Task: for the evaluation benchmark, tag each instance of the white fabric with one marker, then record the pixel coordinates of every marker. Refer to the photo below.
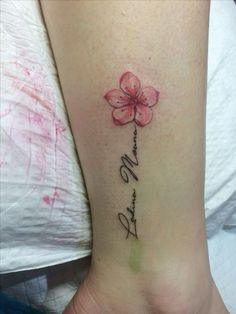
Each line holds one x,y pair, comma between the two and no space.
44,210
220,182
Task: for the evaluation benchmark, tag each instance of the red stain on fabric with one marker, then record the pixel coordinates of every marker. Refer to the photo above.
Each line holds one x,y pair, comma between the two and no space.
32,127
50,199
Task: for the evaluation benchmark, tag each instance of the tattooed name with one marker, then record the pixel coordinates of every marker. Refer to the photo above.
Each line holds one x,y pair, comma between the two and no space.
128,163
129,223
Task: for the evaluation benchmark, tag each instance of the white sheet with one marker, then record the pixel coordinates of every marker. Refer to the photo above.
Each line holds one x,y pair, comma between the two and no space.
220,181
44,210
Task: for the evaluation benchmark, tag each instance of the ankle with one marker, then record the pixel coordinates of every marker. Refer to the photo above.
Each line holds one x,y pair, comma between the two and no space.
183,293
177,297
83,302
193,295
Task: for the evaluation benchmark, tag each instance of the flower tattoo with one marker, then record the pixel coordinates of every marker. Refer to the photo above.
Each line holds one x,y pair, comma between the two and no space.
132,102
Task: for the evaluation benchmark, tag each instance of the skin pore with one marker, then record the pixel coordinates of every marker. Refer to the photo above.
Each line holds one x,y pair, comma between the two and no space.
126,66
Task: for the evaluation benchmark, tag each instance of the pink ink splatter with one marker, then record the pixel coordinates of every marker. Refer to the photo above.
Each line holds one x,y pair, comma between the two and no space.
49,200
32,126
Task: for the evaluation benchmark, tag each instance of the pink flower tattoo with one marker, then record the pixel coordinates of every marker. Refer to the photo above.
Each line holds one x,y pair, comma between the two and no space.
132,102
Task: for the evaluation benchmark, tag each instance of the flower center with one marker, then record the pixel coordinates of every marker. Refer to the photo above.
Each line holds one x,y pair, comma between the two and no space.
134,101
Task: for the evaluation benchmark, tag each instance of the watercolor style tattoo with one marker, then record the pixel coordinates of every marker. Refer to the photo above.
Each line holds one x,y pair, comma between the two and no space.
131,103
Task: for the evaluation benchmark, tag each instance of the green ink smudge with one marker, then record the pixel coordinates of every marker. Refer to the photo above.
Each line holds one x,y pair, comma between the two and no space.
135,255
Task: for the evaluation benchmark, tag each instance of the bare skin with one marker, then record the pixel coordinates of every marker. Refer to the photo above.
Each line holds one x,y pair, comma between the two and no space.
165,270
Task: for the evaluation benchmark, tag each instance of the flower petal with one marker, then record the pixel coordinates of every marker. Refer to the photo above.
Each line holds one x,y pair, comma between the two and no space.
143,115
123,115
116,98
149,96
130,84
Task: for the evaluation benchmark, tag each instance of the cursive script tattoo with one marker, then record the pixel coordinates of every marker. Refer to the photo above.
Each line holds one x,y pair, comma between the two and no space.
127,172
128,163
130,223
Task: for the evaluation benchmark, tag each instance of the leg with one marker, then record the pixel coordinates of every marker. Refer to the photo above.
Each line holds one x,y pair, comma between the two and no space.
145,188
